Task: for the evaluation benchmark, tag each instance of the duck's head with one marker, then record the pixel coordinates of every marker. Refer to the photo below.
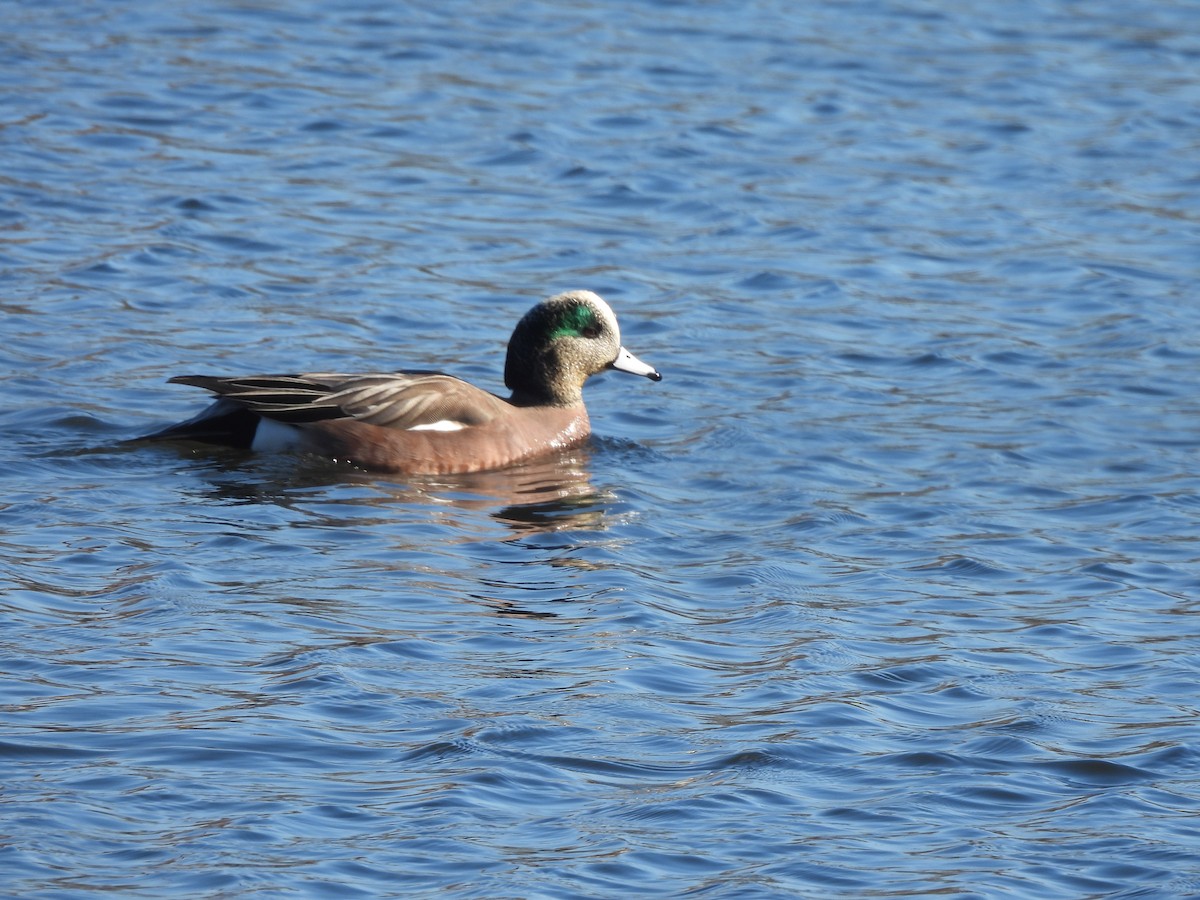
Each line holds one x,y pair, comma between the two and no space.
560,343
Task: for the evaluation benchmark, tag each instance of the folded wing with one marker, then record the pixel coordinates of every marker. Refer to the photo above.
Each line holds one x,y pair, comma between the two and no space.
405,400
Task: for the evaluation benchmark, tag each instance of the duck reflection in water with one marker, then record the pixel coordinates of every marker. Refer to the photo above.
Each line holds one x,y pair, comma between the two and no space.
550,494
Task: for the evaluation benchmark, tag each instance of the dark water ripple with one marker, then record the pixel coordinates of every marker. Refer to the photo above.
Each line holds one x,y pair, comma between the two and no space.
887,590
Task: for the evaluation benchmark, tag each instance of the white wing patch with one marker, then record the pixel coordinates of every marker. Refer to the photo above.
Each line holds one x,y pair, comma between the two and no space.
442,425
272,436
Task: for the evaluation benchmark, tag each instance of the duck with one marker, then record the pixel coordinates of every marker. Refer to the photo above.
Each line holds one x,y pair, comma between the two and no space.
422,422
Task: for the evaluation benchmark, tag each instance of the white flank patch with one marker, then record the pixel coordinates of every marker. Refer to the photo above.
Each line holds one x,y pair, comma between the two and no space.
440,425
274,436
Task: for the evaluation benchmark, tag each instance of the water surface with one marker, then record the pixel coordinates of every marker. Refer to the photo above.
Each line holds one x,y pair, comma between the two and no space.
888,589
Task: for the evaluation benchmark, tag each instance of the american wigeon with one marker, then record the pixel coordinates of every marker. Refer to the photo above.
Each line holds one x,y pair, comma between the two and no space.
423,422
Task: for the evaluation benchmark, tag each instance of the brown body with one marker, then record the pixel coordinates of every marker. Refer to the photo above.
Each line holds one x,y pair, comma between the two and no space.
527,433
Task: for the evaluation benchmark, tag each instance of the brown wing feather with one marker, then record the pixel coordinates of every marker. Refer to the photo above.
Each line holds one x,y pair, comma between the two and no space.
407,401
399,400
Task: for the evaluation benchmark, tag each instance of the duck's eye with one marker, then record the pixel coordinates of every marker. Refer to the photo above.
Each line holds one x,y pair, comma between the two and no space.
591,331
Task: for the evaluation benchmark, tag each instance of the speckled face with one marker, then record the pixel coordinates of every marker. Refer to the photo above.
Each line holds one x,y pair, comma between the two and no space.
559,343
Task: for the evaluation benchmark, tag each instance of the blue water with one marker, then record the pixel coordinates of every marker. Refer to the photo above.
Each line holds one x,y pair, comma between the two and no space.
889,589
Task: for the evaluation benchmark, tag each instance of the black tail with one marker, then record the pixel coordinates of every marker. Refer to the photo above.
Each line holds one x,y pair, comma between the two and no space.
225,423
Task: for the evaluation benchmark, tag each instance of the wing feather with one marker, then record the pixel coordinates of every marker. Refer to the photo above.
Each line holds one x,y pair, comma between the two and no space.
397,400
